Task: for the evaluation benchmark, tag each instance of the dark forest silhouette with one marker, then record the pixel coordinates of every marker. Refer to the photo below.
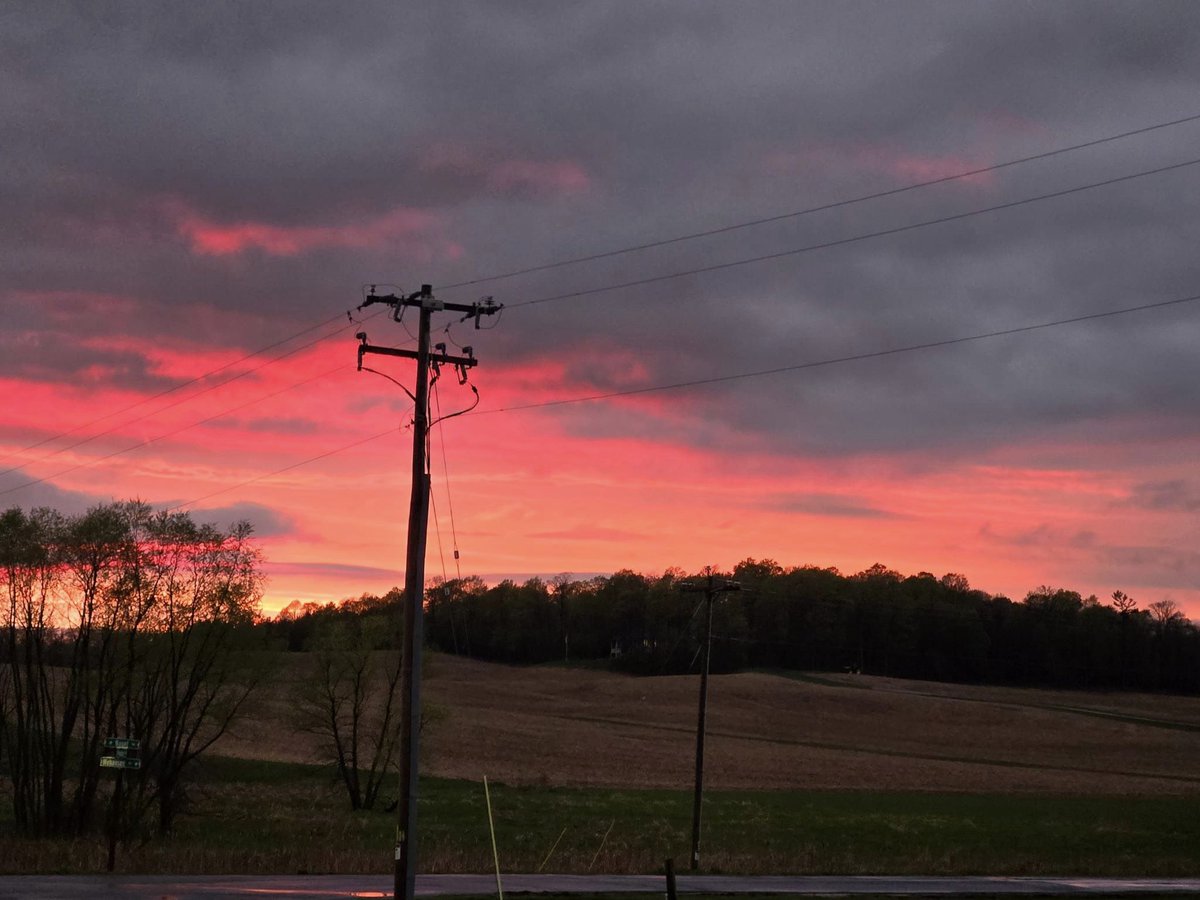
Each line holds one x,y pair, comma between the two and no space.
876,622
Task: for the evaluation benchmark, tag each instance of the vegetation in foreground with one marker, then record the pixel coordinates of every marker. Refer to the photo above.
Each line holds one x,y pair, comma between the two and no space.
284,818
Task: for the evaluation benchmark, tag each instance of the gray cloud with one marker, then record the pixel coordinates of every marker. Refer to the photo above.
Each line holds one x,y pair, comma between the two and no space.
830,505
270,425
1175,495
267,522
1044,538
46,494
516,134
1163,567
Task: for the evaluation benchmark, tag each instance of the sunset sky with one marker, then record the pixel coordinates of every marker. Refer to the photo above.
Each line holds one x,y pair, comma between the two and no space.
184,185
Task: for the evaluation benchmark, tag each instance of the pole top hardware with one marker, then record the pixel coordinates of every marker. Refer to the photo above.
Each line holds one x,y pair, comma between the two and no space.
425,299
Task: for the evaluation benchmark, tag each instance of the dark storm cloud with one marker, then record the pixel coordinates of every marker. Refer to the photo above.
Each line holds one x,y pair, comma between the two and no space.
492,137
62,357
267,522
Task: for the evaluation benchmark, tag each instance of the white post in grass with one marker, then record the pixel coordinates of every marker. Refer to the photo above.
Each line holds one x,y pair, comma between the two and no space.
492,828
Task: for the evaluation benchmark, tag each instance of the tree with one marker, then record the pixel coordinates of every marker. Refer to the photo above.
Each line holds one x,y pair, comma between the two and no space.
200,588
1123,603
1165,613
117,622
350,698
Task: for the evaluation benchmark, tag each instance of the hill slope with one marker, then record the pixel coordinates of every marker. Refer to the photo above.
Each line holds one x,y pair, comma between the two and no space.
562,726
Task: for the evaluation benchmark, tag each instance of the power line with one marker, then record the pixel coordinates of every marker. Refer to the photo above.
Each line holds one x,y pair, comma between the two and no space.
657,278
733,377
167,434
824,245
875,354
296,465
181,400
177,387
446,480
724,229
620,251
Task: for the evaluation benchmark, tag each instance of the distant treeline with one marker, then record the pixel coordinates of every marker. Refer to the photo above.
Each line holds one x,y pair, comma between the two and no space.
876,621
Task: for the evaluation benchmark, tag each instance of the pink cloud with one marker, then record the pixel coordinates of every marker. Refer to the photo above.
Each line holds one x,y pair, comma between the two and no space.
413,230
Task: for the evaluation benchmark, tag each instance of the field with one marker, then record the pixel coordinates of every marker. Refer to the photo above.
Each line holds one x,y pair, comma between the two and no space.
580,727
809,774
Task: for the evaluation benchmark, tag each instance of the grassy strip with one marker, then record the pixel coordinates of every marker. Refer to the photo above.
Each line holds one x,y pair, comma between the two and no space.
265,817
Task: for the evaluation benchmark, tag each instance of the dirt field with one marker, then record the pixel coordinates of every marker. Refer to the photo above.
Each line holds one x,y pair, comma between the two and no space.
558,726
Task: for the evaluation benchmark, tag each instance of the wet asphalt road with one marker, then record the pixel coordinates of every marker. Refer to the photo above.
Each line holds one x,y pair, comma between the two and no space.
316,887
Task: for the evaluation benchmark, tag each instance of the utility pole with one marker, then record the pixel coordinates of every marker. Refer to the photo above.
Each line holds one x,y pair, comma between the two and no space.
404,883
711,589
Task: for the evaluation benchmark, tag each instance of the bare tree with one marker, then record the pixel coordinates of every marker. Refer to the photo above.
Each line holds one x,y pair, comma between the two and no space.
1166,612
350,698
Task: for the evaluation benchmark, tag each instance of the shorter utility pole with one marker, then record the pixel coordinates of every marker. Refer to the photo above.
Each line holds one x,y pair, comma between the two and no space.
405,871
711,588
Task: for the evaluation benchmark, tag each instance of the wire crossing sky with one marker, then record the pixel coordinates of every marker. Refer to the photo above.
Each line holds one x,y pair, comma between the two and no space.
195,198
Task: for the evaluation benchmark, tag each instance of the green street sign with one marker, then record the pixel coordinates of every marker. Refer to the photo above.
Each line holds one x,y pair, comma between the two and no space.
120,762
116,743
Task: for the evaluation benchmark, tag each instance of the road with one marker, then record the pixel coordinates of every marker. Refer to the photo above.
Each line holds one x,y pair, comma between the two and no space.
316,887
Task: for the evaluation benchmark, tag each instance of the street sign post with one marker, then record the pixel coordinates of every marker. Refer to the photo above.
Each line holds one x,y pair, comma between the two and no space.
118,762
124,753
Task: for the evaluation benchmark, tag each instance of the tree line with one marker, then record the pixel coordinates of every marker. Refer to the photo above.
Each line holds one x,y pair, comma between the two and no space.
805,618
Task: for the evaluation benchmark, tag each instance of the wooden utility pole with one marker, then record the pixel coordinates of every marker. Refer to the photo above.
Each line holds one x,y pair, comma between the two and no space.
405,871
711,589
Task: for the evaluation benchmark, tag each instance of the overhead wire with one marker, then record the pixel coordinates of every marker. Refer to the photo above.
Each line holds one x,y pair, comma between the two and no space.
652,279
824,245
874,354
877,195
437,530
394,381
166,434
178,387
446,481
280,471
967,173
675,385
186,399
912,348
663,277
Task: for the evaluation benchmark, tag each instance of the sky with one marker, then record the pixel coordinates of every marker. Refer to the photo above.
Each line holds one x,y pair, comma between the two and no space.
196,195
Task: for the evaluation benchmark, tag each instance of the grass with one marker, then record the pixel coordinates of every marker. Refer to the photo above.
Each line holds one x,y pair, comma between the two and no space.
804,777
254,816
